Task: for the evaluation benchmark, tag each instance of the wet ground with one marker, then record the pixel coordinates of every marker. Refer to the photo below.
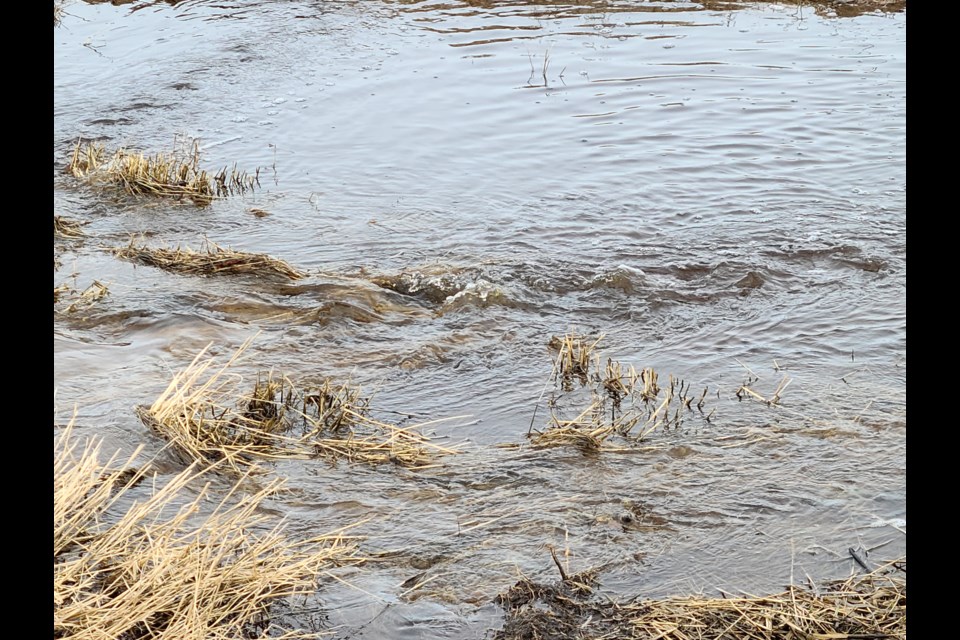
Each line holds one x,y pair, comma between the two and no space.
719,190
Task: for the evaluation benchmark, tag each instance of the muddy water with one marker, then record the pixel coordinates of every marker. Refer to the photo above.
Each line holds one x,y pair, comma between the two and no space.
721,193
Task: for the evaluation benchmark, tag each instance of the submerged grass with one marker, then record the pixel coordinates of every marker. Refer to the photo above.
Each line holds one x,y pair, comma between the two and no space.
155,568
620,401
66,228
207,418
176,174
210,260
575,354
872,605
68,300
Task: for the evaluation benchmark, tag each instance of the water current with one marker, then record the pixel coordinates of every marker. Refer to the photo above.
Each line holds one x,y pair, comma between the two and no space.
720,191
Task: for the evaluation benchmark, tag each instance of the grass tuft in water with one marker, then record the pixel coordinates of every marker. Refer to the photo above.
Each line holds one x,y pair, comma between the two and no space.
209,419
210,260
176,174
872,605
612,401
67,228
67,299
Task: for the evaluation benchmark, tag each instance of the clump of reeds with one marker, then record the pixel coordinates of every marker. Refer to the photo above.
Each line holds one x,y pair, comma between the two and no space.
746,391
66,228
333,406
620,401
79,300
210,260
152,565
207,418
574,356
170,175
586,431
86,159
863,606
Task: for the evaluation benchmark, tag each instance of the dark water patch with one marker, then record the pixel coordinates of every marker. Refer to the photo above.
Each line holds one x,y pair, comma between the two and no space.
109,122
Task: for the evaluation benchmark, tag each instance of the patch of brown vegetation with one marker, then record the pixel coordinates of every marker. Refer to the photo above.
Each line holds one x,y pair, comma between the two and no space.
208,419
176,174
838,8
168,565
68,300
66,228
210,260
872,605
619,401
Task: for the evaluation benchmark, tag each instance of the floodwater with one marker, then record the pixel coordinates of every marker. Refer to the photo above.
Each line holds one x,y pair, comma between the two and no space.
720,192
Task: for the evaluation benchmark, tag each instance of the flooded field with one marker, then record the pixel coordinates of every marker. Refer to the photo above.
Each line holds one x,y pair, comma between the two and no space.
718,191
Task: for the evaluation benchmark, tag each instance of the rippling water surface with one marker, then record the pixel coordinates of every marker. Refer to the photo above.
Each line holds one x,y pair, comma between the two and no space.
721,193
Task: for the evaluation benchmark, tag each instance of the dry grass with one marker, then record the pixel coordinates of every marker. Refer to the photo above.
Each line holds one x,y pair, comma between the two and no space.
168,175
66,228
210,260
586,431
68,300
574,356
863,606
619,400
870,606
208,419
156,568
60,290
745,391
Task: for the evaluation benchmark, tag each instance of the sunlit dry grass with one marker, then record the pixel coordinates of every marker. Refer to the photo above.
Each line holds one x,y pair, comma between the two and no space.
163,561
619,400
210,260
175,174
207,417
868,606
66,228
862,606
575,354
68,300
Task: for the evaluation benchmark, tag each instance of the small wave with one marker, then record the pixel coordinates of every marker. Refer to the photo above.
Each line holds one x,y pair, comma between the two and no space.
480,293
622,277
431,284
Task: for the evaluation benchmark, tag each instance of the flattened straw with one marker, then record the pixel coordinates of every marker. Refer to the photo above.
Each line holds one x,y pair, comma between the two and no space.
194,414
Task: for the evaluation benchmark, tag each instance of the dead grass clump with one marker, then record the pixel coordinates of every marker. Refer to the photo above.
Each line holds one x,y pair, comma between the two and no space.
619,400
155,567
208,419
210,260
574,355
745,391
66,228
167,175
68,300
586,431
335,406
86,160
863,606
